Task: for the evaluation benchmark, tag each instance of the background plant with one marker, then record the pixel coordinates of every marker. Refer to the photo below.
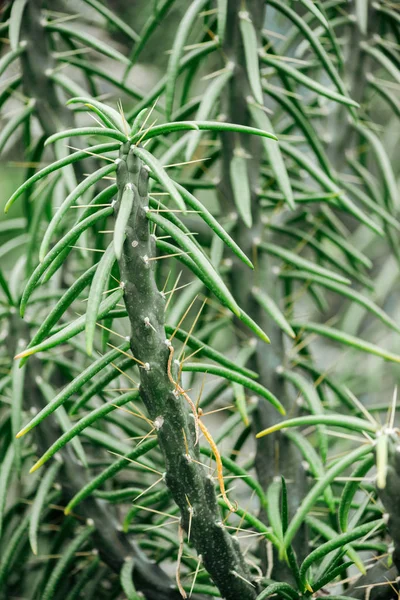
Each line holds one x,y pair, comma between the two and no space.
203,238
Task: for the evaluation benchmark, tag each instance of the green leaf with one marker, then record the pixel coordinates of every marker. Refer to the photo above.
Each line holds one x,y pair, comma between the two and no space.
110,117
9,57
195,344
352,423
17,394
312,84
302,263
273,154
330,186
38,504
88,40
272,309
183,31
207,104
99,285
383,162
210,275
240,185
343,291
238,378
314,462
283,589
63,244
318,489
76,384
212,222
92,417
124,212
382,59
59,164
68,555
110,472
126,579
6,473
338,542
9,129
202,126
350,489
17,11
113,19
73,328
70,200
222,15
346,339
160,174
314,405
87,131
4,286
249,38
11,548
274,508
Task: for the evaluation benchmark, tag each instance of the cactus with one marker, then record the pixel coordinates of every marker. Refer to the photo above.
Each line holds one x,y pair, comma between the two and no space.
193,265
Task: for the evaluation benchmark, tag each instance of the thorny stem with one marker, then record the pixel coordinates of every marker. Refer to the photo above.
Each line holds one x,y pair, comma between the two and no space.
191,487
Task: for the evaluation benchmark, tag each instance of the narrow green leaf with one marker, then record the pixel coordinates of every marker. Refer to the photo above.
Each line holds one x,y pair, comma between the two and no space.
318,489
73,328
92,417
314,462
17,10
282,589
240,185
87,131
4,286
312,84
160,174
274,508
110,472
70,200
383,162
249,38
124,212
17,394
273,154
74,386
302,263
352,423
13,123
382,59
304,162
88,40
126,579
238,378
344,291
110,117
350,489
212,222
346,339
11,548
202,126
113,19
68,555
6,473
207,104
214,280
339,541
185,27
99,285
9,57
64,243
59,164
272,309
38,503
222,15
195,344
